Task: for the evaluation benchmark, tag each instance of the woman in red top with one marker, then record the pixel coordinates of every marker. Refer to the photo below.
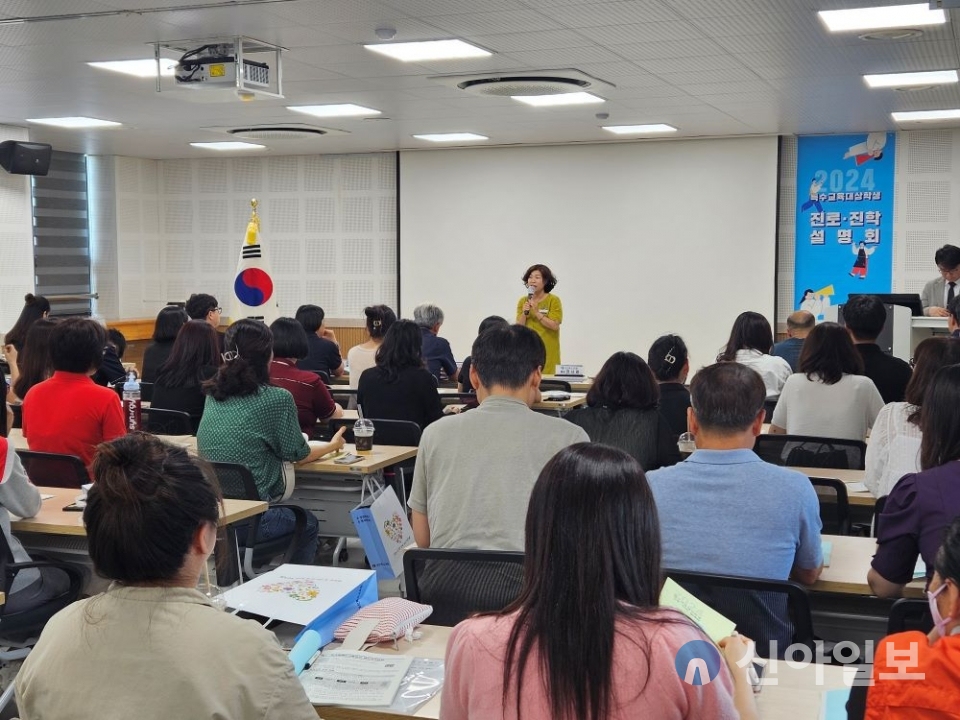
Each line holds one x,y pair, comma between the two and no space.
312,397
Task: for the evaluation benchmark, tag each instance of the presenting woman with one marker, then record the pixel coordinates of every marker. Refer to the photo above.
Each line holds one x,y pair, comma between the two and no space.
542,312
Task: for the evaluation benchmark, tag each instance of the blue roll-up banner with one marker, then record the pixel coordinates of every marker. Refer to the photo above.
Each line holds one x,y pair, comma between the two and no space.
844,218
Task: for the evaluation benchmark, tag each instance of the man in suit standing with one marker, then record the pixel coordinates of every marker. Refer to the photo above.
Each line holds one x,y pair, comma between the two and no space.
940,292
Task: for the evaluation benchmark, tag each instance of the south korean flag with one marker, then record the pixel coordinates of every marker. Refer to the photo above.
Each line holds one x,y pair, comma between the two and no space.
254,294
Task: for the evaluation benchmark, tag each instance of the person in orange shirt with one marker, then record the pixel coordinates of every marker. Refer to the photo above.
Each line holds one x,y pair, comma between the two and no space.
917,676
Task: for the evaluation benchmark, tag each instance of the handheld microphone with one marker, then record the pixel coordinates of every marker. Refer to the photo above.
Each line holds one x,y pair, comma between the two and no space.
529,298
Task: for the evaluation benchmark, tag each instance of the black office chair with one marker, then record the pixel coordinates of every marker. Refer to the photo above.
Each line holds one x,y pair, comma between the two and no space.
877,511
768,407
236,482
23,618
166,422
763,610
458,583
17,410
834,505
807,451
390,432
53,469
548,385
909,614
343,395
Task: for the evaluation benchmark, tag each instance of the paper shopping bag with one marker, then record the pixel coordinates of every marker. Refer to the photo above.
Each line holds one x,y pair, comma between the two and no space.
384,531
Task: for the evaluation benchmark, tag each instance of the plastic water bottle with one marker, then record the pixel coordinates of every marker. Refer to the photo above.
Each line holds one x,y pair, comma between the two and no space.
131,402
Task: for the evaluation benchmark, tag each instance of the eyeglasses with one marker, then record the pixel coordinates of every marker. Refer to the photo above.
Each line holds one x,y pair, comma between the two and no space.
216,309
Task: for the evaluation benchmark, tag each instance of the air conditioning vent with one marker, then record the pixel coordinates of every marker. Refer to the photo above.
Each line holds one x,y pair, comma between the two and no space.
526,83
278,132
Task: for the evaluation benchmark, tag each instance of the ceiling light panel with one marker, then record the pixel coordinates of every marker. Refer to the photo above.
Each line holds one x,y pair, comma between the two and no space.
926,115
73,123
574,98
328,111
876,18
227,145
934,77
429,50
144,68
640,129
451,137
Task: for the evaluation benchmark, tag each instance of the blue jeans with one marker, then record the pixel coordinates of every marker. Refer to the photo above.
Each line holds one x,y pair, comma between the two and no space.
278,521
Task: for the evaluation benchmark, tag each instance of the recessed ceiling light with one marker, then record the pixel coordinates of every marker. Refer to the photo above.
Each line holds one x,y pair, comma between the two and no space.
145,68
934,77
874,18
227,145
429,50
451,137
639,129
325,111
73,122
926,115
574,98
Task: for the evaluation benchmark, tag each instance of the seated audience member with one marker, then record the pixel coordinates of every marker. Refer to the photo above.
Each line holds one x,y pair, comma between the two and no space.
750,343
69,413
193,360
864,317
670,363
828,397
111,369
622,411
799,325
921,505
201,306
364,356
34,308
894,447
519,662
32,365
323,350
463,376
436,350
953,320
475,471
309,391
399,387
931,659
695,497
169,321
152,646
248,421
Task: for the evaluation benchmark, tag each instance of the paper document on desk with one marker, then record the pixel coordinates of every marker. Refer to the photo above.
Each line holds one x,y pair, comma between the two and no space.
358,679
715,625
826,547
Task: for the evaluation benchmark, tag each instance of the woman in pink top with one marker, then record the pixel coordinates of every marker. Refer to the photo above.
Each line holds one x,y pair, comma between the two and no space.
586,640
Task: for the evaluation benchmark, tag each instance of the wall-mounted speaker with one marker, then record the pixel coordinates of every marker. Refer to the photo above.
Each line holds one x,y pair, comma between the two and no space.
25,158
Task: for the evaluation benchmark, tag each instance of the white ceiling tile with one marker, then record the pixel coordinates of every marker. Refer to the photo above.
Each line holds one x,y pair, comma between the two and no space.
519,42
711,76
613,13
652,32
330,12
691,64
725,8
453,7
569,57
408,29
495,22
667,50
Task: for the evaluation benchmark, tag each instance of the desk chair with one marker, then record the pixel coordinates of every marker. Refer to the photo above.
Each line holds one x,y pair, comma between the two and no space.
768,407
166,422
755,606
389,432
458,583
236,482
909,614
834,505
343,396
17,410
458,398
548,385
54,469
21,618
808,451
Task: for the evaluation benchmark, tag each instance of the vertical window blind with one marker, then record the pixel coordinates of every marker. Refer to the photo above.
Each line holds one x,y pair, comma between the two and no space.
61,234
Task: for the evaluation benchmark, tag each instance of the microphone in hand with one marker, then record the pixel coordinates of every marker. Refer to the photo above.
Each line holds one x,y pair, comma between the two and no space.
526,310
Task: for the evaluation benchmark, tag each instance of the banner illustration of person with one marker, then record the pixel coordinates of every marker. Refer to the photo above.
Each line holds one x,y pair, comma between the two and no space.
848,209
254,295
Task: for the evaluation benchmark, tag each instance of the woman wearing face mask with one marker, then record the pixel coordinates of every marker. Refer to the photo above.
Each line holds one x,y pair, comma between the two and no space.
932,660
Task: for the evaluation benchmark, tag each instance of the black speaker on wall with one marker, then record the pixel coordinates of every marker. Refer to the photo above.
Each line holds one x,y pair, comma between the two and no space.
25,158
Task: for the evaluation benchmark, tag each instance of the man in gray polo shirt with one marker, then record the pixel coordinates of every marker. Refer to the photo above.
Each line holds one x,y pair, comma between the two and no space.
475,471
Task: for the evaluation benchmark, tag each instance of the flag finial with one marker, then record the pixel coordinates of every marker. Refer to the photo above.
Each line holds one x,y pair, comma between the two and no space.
253,227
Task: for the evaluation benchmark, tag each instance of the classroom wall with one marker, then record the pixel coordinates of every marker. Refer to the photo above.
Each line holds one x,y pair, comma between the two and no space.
646,238
330,221
926,210
16,238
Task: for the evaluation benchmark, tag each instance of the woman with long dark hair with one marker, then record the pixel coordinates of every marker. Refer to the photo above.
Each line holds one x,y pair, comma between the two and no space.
828,397
193,360
364,356
400,387
153,639
34,308
586,639
894,447
670,362
622,411
921,505
750,343
248,421
169,321
33,363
